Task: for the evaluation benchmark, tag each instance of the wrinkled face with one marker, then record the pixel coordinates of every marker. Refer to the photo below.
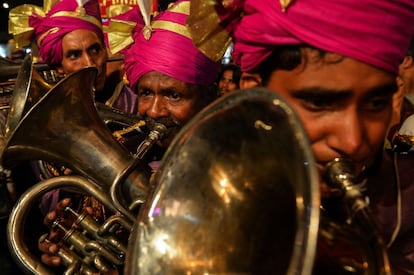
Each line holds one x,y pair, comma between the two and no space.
83,48
166,99
226,83
345,107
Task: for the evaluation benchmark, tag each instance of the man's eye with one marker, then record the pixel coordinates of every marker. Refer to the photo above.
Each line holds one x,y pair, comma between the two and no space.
73,56
379,104
95,50
317,104
144,92
174,96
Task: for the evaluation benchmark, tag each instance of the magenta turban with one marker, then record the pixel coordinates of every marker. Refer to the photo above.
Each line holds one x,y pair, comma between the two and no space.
376,32
65,16
169,50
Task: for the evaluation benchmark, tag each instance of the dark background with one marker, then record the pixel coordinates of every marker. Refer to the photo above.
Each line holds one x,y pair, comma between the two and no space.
4,15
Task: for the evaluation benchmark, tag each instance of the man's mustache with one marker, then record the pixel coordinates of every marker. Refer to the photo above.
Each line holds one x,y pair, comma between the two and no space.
166,121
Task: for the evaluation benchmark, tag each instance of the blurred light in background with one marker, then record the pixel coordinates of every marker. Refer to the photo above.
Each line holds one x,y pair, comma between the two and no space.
3,50
227,55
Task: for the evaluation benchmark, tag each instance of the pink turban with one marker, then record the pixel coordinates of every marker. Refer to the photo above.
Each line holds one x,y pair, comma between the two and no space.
169,50
64,17
376,32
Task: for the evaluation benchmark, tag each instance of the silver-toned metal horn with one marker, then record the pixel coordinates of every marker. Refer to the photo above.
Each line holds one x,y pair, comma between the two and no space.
64,127
340,175
237,193
73,134
28,89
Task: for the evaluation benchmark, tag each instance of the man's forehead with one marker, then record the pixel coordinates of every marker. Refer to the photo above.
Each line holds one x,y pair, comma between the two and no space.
160,80
80,36
348,76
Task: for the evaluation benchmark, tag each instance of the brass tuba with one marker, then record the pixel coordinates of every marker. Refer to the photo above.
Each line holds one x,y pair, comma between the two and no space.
237,193
64,127
67,115
24,90
29,87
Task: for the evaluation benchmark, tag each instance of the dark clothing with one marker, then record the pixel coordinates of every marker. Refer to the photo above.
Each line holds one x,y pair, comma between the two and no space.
7,263
124,99
383,191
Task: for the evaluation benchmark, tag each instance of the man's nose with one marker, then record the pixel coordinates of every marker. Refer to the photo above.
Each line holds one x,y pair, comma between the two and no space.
157,108
88,61
348,135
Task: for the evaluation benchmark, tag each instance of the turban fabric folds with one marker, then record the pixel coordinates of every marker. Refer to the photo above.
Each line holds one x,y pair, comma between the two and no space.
169,49
118,29
376,32
372,31
64,17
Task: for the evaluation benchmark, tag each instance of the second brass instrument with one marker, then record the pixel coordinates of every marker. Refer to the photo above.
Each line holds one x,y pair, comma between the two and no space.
64,127
236,193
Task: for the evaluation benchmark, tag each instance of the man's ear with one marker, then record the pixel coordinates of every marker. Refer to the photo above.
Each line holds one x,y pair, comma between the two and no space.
407,62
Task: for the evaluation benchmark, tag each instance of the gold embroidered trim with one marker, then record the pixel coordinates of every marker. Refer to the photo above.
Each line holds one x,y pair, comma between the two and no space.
285,4
119,34
85,17
183,7
52,30
205,29
115,10
173,27
19,23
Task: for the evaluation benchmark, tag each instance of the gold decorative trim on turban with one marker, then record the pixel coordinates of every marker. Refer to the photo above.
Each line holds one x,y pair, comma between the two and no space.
119,34
146,8
19,23
172,27
118,31
285,4
51,31
78,15
202,17
115,10
48,4
182,7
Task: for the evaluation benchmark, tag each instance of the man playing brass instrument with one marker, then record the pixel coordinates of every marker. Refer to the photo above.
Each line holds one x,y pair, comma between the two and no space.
335,62
173,81
69,38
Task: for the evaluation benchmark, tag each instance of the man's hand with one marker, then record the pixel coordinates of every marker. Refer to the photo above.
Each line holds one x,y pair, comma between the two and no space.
48,244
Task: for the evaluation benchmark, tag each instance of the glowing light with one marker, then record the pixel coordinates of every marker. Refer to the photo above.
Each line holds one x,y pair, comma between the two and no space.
260,124
223,186
6,5
161,244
